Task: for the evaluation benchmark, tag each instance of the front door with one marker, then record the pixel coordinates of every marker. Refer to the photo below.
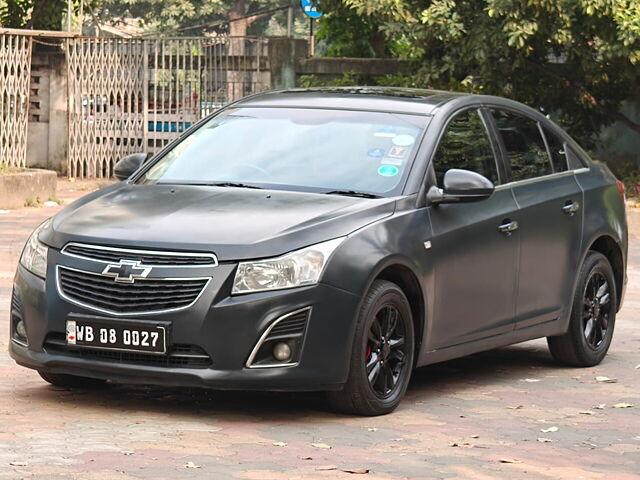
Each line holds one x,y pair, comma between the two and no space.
474,253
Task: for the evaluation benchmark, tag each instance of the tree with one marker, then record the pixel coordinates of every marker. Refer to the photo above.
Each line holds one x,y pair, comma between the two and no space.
347,34
187,17
196,17
578,60
39,14
36,14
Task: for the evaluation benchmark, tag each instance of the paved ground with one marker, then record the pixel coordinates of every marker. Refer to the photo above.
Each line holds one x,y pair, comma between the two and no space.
510,413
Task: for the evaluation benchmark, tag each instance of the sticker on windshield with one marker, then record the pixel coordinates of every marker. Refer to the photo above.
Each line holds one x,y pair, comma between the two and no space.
376,152
388,171
403,140
398,152
385,132
392,161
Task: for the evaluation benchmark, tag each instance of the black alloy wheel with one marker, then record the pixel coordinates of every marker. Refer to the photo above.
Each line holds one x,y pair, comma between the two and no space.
592,318
385,355
382,354
597,302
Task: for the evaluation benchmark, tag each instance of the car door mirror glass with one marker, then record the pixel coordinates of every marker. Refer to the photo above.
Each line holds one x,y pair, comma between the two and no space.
461,186
128,165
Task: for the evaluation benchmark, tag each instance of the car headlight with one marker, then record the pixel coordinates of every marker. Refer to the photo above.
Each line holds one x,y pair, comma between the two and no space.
34,254
295,269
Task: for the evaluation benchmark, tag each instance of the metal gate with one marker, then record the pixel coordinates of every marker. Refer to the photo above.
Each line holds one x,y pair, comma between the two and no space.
107,98
15,71
132,95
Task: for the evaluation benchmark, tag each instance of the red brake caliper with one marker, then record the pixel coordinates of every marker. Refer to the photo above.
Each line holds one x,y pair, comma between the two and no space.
368,352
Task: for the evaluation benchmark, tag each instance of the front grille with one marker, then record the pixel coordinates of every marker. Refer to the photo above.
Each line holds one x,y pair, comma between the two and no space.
179,355
146,257
290,326
145,295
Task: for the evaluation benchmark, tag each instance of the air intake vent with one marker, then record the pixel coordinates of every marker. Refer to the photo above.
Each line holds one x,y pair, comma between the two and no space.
146,257
287,331
143,296
16,304
290,326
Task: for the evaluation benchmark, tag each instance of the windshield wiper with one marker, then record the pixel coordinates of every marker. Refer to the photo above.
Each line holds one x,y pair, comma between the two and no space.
232,184
352,193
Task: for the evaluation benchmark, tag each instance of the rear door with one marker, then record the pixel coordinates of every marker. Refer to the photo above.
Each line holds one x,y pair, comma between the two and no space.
475,262
550,203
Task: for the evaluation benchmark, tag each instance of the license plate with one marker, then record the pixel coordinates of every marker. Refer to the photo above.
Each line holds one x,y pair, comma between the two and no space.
131,337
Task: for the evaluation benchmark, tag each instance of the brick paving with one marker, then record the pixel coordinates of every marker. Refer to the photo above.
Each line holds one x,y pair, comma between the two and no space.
480,417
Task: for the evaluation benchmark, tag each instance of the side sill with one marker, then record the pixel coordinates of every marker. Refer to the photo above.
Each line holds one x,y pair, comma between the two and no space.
546,329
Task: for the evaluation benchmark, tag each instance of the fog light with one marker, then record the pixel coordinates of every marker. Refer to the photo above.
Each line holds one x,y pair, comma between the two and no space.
281,351
21,329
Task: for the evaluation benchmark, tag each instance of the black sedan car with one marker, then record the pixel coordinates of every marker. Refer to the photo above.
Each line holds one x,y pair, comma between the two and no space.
328,240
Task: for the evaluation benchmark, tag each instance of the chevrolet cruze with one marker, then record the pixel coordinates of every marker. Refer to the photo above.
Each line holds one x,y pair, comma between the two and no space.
328,240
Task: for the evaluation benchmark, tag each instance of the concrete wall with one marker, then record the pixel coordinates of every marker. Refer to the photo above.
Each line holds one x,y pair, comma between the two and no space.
48,129
285,55
321,66
33,186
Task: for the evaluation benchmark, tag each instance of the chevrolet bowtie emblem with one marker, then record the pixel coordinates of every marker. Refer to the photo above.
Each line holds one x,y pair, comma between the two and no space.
127,271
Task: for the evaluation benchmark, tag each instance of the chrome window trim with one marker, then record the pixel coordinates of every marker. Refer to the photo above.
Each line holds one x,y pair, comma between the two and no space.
126,314
551,176
264,336
159,253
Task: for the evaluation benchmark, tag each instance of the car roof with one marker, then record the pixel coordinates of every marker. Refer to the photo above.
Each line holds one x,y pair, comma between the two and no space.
383,99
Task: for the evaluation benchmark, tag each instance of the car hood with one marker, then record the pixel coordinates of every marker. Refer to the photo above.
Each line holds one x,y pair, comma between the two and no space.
234,223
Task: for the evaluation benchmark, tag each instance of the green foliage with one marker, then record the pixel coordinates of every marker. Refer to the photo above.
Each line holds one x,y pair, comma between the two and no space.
578,60
347,34
37,14
177,17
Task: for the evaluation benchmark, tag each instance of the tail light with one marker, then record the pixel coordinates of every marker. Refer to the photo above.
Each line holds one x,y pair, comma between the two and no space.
621,190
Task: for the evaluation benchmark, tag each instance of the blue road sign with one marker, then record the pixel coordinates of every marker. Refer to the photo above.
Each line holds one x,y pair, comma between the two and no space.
310,8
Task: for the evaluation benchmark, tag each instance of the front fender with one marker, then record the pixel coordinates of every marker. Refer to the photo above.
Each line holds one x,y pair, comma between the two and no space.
394,241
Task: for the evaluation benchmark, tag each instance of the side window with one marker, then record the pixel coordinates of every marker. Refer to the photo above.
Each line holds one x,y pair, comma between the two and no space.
465,144
524,144
557,151
574,161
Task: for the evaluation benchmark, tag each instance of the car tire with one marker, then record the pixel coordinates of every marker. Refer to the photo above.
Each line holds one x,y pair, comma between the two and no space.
71,381
381,363
593,316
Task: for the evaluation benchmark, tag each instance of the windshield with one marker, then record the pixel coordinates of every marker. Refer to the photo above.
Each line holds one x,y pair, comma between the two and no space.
295,149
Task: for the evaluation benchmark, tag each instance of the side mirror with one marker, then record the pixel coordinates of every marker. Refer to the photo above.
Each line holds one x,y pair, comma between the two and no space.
461,186
126,167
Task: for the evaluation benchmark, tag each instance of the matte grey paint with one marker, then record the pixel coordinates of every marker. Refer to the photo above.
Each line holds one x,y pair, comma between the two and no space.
479,286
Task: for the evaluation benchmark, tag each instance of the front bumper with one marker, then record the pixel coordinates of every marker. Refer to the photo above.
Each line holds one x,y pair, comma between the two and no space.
226,327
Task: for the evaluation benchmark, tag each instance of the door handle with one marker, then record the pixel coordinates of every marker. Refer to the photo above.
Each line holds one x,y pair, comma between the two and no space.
571,207
508,227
